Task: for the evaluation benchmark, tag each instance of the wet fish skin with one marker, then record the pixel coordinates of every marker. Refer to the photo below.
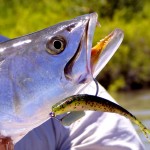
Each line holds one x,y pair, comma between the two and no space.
32,80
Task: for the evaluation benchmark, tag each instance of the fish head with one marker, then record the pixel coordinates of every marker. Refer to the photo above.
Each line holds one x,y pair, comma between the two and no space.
42,68
63,53
51,62
39,69
71,62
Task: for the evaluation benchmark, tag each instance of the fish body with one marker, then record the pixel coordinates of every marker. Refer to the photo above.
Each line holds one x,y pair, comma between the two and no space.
40,69
34,75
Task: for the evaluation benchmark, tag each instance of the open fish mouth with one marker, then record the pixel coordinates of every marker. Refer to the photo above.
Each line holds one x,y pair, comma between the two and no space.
87,61
104,50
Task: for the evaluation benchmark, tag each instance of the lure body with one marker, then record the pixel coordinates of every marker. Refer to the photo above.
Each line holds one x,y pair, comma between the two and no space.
89,102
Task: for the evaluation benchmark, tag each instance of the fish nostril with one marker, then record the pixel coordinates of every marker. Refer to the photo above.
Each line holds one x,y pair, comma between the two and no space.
70,28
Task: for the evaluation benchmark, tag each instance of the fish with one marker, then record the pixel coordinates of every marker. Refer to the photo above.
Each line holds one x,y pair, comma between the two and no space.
42,68
82,102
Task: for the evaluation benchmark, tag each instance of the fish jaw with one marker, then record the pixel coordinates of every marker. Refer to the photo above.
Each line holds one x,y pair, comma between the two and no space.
78,68
103,51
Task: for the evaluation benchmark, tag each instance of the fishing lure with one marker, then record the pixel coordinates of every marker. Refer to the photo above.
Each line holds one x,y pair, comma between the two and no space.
89,102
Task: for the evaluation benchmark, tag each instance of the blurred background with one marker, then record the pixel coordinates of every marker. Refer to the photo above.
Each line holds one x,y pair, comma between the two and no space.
127,75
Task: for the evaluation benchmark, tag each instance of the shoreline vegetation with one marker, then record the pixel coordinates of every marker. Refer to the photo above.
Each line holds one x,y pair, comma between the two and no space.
129,67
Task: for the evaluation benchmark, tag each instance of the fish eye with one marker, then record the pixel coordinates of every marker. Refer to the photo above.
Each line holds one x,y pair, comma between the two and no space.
56,45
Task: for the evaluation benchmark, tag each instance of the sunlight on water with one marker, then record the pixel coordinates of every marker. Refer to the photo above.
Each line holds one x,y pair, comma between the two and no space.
138,103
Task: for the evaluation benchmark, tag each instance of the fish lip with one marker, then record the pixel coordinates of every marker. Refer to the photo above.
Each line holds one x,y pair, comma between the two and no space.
93,22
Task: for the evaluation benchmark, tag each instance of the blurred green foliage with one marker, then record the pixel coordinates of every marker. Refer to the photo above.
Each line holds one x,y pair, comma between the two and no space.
129,67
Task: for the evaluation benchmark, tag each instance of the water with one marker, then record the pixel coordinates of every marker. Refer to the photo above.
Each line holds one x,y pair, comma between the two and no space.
138,103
